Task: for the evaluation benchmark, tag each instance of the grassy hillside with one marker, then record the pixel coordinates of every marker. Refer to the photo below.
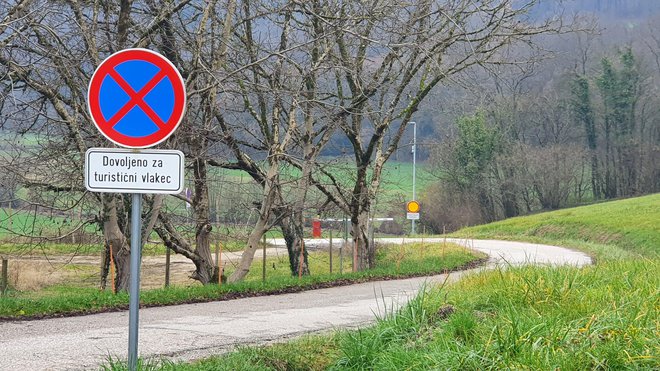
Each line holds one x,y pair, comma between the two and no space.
614,230
541,318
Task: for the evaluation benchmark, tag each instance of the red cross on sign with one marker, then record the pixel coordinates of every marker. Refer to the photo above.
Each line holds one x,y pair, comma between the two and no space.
136,98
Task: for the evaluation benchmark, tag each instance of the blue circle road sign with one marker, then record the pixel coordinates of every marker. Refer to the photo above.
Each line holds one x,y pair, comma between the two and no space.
136,98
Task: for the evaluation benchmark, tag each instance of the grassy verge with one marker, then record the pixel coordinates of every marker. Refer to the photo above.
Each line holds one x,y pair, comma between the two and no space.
605,316
393,261
600,317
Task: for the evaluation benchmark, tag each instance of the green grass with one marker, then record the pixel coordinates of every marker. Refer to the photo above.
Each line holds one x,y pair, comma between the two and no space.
27,223
49,249
397,176
605,316
600,317
306,353
609,230
392,261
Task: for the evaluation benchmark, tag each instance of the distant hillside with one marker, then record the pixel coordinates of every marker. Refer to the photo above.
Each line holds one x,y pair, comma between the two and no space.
606,9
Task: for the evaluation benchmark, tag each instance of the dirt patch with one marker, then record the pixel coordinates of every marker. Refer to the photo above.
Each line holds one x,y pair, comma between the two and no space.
33,273
30,276
36,273
549,230
599,236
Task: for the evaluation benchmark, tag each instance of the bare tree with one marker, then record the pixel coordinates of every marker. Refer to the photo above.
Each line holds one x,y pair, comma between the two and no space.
48,55
552,172
273,108
391,56
42,85
199,51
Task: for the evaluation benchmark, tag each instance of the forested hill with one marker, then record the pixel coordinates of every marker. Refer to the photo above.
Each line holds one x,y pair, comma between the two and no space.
604,9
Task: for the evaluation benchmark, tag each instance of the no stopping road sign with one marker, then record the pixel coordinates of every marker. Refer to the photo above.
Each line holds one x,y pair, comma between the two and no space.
136,98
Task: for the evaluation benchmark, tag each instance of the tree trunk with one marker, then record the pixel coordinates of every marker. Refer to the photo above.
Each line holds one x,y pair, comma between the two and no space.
204,267
118,243
122,259
294,238
508,190
204,262
247,257
261,226
359,208
293,226
366,253
105,268
595,176
610,164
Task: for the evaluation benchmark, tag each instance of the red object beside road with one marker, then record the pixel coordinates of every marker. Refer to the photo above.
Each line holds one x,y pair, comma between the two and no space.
316,228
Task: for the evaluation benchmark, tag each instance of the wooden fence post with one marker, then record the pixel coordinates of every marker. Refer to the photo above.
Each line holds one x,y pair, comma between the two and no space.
355,255
263,262
167,266
342,246
301,259
4,280
330,251
219,260
112,271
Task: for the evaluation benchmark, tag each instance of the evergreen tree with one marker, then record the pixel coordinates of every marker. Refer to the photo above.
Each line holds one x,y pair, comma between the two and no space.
583,111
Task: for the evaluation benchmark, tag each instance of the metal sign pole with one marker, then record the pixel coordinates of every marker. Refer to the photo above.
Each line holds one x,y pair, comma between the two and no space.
132,170
134,289
414,153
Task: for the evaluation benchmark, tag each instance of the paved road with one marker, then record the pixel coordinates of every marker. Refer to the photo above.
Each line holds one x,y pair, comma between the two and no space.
186,332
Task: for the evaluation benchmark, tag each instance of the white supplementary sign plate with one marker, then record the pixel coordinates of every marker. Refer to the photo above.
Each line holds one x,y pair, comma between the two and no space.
117,170
413,216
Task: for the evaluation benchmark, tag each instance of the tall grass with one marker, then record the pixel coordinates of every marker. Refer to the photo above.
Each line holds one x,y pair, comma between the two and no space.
599,317
118,364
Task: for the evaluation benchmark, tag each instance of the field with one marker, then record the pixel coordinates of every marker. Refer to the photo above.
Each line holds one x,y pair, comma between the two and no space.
15,223
605,316
397,177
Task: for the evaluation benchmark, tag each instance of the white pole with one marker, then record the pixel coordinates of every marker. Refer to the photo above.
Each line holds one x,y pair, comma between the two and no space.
414,153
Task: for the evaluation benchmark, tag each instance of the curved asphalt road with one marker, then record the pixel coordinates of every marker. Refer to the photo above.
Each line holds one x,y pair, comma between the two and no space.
186,332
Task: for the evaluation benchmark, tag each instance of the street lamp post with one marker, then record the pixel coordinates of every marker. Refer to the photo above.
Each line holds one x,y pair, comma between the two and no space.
414,154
